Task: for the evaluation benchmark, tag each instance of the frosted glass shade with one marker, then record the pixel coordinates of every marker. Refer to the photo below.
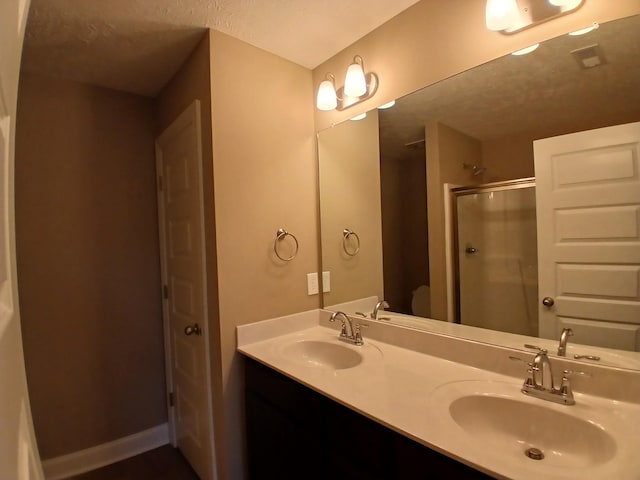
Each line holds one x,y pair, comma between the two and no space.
326,99
355,84
568,4
501,14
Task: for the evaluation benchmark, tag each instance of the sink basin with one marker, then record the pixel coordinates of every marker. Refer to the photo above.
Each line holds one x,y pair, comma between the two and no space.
318,353
513,427
492,423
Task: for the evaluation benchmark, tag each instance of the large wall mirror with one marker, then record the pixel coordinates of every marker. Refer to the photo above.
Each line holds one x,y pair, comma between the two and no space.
432,205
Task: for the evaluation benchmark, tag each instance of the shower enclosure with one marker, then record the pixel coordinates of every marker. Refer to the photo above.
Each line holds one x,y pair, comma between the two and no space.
496,256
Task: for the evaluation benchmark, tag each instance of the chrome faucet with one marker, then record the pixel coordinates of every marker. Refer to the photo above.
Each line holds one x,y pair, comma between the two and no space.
379,306
350,332
539,382
564,337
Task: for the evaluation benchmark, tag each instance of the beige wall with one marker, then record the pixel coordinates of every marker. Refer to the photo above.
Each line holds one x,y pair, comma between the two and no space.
88,270
350,198
447,150
431,41
511,157
193,82
264,178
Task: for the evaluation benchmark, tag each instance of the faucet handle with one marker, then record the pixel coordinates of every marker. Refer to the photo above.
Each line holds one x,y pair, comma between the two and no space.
357,337
535,347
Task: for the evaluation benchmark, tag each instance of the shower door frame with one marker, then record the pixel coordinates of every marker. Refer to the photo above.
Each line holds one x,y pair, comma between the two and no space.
454,193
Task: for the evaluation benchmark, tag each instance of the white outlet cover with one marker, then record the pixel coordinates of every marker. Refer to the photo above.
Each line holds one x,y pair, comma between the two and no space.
312,283
326,282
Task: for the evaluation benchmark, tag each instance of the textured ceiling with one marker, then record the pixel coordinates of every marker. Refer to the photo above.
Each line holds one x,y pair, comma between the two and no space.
137,45
545,92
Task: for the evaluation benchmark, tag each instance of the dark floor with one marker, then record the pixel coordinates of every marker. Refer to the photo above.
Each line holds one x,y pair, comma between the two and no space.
164,463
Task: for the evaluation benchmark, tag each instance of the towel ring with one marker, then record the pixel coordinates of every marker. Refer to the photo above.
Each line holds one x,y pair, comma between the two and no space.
281,234
346,233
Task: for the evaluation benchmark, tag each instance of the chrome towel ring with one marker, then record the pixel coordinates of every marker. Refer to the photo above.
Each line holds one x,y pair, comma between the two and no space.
281,234
346,234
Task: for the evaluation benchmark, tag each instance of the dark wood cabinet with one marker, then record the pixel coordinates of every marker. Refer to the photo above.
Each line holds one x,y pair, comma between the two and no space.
296,433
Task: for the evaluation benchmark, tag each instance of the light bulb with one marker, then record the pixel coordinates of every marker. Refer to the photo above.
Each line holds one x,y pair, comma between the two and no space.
327,98
355,85
501,14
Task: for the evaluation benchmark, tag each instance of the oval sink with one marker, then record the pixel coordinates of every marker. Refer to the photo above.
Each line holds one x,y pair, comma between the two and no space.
317,353
511,425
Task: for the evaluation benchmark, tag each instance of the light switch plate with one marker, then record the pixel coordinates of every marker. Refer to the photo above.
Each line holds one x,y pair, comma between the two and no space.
312,283
326,282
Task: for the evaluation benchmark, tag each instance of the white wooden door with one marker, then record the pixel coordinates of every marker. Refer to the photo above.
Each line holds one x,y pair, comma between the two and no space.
588,200
179,166
19,457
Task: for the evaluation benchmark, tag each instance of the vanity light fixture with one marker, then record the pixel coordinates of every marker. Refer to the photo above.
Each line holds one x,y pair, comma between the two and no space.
526,50
358,86
384,106
588,29
359,117
567,4
511,16
327,98
501,14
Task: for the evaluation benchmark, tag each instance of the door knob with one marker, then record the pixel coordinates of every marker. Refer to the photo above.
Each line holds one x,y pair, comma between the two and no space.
192,329
470,249
548,301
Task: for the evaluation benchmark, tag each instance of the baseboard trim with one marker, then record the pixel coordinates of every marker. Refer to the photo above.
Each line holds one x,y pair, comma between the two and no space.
95,457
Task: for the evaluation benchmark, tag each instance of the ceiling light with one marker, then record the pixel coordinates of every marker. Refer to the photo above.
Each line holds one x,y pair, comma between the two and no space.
359,117
327,98
588,29
501,14
355,85
358,87
526,50
387,105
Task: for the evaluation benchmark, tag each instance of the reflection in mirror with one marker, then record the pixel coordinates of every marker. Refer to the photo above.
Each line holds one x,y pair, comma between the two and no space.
390,178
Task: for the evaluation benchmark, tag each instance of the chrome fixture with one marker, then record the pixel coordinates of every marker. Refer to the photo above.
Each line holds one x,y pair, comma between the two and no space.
350,332
595,358
510,16
475,169
347,235
358,87
539,382
281,234
564,337
379,306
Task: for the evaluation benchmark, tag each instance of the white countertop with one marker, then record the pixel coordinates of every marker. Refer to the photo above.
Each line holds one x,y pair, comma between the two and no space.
403,389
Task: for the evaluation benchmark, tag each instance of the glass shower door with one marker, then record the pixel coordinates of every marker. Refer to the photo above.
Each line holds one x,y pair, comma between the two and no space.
497,278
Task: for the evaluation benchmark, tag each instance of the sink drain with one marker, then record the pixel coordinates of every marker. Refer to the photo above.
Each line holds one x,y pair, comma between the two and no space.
534,453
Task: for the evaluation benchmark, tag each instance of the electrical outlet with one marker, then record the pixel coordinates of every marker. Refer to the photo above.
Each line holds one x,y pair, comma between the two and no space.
312,283
326,282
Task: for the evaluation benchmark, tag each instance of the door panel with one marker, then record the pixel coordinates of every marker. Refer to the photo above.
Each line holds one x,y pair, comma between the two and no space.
183,265
588,201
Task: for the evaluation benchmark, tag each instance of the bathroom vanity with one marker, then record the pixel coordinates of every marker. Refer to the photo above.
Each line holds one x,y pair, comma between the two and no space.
416,404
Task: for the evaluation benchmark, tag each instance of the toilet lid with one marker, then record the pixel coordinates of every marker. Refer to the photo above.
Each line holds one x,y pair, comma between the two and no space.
421,301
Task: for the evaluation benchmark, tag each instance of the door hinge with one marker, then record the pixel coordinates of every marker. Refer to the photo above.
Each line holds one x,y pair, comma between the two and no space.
165,291
171,399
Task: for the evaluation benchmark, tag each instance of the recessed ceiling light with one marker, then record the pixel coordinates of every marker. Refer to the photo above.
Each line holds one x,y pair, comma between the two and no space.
582,31
526,50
